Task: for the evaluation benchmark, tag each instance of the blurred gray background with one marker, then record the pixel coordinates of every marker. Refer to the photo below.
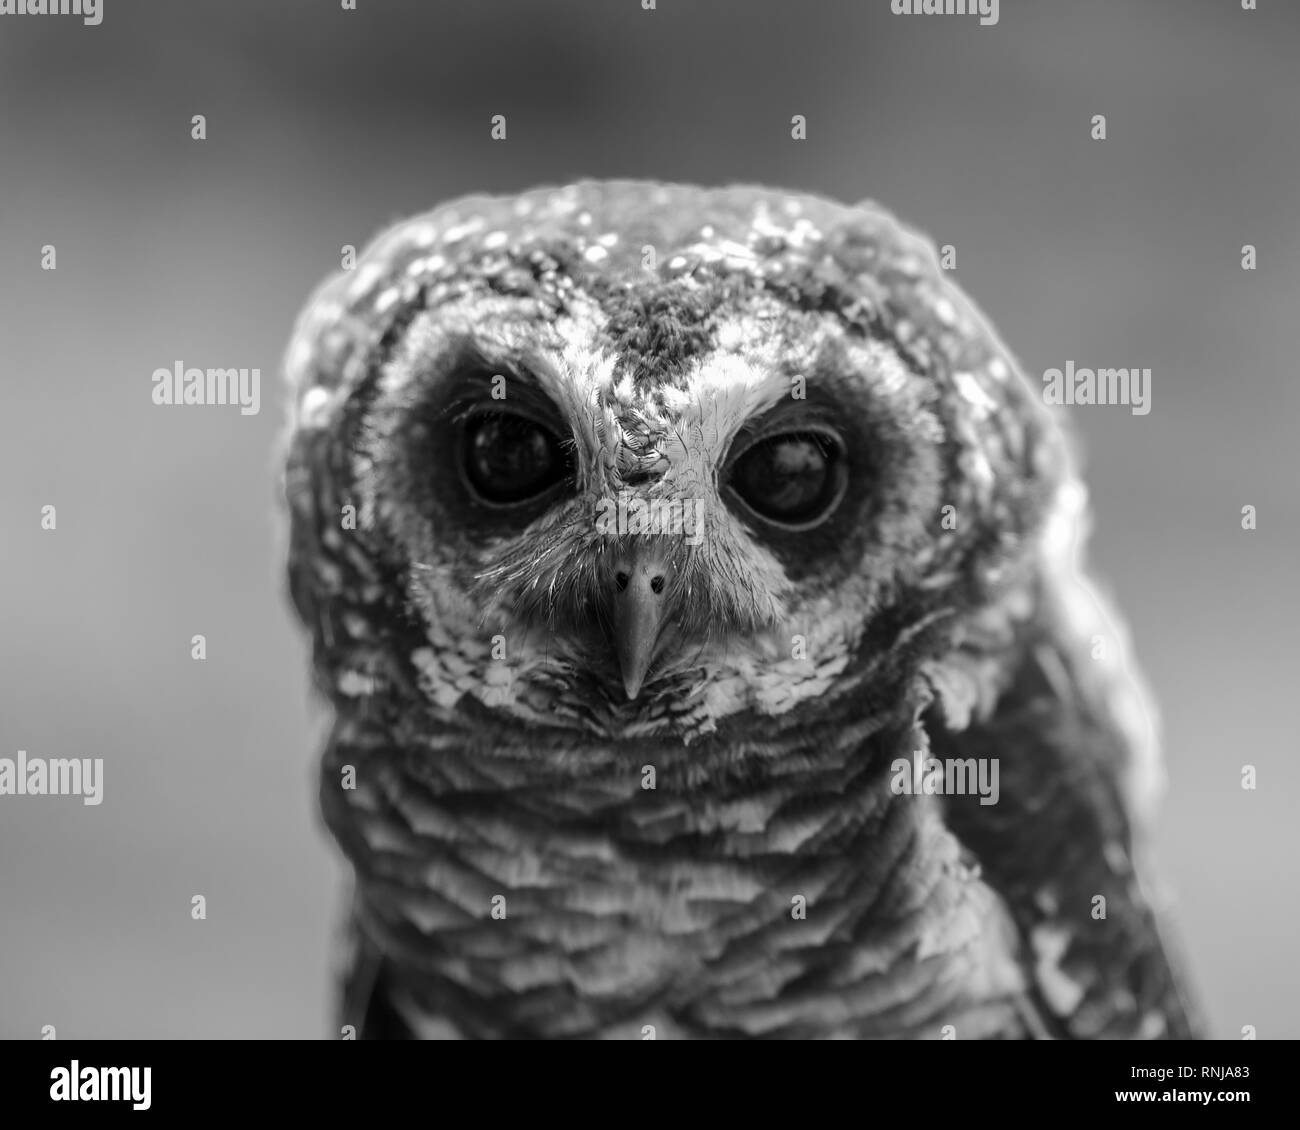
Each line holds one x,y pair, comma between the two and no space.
324,125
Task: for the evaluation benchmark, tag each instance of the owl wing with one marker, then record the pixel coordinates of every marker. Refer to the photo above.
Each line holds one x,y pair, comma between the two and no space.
1053,698
366,1000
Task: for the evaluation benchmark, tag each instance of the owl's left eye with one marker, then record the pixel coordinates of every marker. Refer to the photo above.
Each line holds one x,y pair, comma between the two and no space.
793,480
510,459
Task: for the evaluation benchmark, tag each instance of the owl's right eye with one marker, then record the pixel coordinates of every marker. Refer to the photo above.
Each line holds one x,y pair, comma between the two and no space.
510,459
792,479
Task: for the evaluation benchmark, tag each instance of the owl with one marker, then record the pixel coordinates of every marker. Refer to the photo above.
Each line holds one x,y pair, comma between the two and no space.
694,579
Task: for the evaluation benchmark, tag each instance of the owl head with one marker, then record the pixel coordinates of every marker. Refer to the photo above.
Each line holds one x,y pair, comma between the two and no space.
626,458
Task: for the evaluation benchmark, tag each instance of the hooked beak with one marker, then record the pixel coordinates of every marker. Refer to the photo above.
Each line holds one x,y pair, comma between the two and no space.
640,599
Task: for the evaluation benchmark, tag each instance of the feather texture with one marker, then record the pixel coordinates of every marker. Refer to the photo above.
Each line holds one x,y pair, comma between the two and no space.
730,854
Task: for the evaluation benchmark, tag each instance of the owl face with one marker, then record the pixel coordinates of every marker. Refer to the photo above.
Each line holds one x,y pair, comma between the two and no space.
628,460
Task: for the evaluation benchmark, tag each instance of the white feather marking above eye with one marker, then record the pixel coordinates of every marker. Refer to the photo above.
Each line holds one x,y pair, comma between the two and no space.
726,390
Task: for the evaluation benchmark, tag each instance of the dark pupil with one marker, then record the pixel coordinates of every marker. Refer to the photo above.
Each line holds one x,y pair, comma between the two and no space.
785,478
510,458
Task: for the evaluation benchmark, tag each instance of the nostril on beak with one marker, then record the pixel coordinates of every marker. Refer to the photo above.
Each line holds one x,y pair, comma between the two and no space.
640,607
638,615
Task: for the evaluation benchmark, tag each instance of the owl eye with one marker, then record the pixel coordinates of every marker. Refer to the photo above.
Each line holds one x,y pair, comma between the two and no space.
794,479
510,458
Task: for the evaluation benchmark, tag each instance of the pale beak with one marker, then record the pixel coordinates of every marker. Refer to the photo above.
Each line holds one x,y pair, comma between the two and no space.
641,583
